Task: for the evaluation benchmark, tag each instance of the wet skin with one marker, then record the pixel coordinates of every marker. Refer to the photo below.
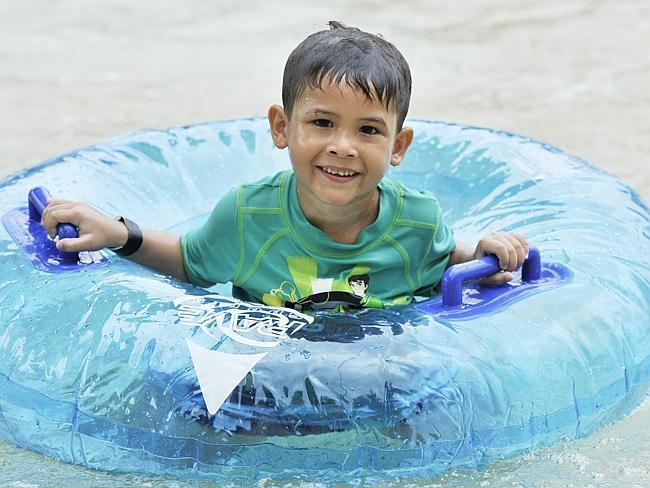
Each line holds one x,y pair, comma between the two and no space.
341,144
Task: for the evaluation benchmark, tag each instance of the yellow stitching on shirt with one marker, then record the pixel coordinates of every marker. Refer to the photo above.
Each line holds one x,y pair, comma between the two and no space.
258,258
240,227
261,210
416,224
405,259
319,252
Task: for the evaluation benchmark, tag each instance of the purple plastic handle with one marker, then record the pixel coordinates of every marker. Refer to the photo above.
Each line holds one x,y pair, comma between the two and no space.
37,200
455,276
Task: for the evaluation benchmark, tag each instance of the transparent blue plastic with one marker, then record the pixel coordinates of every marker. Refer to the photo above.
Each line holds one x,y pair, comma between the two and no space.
95,366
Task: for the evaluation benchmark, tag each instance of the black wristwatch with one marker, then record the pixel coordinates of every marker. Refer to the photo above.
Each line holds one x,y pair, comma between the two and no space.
133,240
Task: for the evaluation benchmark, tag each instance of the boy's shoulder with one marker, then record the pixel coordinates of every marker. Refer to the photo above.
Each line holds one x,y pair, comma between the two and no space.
264,192
267,182
408,194
413,205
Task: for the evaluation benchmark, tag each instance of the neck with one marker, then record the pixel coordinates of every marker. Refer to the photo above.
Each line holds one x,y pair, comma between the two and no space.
342,224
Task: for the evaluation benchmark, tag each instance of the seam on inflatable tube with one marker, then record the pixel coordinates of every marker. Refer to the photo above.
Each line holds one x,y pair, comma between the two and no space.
576,407
74,421
3,381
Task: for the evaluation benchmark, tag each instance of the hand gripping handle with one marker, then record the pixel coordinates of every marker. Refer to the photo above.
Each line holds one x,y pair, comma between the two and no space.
37,200
455,276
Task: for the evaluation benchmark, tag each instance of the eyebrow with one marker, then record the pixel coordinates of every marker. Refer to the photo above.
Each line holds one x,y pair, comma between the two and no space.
377,120
322,111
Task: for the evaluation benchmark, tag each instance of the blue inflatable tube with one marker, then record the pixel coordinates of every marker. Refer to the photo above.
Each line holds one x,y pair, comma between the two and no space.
108,365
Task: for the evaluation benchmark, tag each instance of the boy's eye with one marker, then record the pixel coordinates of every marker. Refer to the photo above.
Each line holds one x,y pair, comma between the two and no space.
368,129
322,123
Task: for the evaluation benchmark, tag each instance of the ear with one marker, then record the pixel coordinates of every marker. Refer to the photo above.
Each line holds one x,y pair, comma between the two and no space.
402,142
279,123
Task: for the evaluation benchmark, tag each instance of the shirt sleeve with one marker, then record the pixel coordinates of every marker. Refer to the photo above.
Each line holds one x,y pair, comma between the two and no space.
211,252
443,244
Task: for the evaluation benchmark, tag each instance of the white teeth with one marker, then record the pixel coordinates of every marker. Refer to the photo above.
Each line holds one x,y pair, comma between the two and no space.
338,172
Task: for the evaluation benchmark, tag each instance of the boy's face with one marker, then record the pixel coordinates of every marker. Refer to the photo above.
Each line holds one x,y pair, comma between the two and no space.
340,144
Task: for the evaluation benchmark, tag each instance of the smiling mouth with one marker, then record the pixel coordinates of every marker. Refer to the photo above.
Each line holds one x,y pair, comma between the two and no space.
339,172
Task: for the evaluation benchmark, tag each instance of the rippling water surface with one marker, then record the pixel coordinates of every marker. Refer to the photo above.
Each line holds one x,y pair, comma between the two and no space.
573,73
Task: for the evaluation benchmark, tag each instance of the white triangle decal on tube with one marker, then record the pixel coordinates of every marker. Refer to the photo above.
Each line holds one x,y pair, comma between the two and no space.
219,372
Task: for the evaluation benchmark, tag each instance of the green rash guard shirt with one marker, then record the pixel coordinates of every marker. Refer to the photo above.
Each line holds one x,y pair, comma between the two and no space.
258,238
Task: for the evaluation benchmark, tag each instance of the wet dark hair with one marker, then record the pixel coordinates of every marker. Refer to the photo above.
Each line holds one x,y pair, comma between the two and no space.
364,61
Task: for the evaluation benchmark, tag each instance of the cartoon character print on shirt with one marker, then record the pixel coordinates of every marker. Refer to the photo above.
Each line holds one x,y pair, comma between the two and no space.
308,292
359,285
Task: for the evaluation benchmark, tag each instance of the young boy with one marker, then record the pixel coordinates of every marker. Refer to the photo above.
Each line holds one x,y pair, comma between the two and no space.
302,238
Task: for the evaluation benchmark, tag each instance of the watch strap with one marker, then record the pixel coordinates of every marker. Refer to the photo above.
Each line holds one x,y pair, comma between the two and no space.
133,240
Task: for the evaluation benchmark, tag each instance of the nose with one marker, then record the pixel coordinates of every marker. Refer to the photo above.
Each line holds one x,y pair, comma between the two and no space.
342,145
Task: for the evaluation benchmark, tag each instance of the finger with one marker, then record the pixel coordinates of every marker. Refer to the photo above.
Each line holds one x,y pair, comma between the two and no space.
503,250
60,215
516,252
78,244
53,207
520,244
65,215
56,205
497,279
50,226
492,245
58,201
523,242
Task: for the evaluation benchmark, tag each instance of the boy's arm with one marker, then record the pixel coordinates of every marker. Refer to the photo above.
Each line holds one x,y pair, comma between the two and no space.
160,250
510,249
